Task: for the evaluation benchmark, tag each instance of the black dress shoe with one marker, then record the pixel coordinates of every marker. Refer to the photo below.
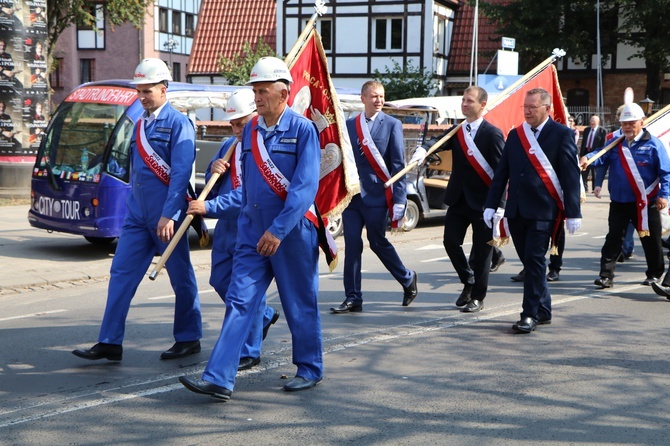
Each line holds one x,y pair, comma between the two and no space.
519,277
300,383
552,276
498,264
348,306
181,349
649,280
604,282
473,306
206,388
525,325
661,290
465,296
274,319
112,352
410,291
543,320
247,363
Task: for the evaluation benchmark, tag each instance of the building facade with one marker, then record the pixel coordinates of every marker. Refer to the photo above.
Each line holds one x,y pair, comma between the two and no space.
84,54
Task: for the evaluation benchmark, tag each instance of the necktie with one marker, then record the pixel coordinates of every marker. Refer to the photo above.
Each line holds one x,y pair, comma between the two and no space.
468,128
534,130
589,143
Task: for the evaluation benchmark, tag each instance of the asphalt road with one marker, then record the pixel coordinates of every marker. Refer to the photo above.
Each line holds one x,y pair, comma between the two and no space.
424,374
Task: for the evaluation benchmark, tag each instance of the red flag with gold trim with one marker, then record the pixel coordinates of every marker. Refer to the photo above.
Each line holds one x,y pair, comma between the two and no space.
313,95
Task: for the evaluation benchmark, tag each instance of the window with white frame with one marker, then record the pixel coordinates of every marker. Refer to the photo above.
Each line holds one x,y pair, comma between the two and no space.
388,34
325,28
92,36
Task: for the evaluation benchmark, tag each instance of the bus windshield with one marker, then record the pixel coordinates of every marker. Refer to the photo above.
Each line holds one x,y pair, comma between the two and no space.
76,144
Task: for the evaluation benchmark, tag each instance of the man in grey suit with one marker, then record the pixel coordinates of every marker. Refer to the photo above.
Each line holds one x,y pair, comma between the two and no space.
540,162
379,151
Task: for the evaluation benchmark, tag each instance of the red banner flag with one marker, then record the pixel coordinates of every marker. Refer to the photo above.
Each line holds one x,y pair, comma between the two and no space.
313,95
507,112
660,128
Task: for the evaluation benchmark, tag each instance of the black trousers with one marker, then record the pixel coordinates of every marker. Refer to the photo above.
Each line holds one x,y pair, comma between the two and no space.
476,271
619,216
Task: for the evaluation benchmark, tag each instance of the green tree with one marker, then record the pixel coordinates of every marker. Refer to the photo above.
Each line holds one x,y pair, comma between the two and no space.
541,25
63,13
237,69
405,82
645,27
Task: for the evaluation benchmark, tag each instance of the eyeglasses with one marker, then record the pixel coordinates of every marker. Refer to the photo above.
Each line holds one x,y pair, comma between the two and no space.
534,107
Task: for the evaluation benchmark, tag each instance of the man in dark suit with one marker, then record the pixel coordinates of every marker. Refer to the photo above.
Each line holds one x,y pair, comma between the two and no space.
594,138
379,151
476,150
540,162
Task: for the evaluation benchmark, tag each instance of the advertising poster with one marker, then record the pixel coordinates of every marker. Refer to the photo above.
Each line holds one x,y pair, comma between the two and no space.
24,89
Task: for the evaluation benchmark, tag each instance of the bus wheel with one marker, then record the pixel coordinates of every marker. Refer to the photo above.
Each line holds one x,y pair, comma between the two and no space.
100,240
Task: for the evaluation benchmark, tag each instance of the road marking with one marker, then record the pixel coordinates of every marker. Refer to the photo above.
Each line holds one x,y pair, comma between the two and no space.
171,296
25,316
278,358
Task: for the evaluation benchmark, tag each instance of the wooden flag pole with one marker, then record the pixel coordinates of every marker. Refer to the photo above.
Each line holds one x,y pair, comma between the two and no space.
556,54
187,221
319,10
650,120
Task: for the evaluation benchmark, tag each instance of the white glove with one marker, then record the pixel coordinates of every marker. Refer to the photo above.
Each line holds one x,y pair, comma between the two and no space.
573,224
419,156
398,211
489,216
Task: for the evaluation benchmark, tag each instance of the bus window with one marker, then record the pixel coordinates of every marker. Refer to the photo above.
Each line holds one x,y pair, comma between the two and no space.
118,163
76,142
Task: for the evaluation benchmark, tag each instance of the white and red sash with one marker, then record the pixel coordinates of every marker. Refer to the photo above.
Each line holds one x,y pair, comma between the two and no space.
152,159
642,194
162,170
376,160
547,174
475,157
280,185
235,166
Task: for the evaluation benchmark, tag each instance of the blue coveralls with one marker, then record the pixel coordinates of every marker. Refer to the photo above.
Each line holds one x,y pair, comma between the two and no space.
172,136
293,145
225,205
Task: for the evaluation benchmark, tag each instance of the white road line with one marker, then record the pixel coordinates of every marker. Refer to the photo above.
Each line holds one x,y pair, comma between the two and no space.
171,296
25,316
281,357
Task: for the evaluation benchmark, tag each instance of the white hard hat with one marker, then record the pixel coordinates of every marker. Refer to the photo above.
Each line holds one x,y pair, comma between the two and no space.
240,104
151,71
631,112
270,69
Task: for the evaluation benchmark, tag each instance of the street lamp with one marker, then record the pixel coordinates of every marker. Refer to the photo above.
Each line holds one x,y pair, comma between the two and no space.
646,105
170,46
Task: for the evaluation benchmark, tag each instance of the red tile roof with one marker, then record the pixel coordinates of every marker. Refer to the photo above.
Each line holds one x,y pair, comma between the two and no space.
461,44
224,26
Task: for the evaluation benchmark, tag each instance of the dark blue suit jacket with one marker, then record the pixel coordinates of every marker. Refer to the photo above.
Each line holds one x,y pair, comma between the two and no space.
387,135
528,197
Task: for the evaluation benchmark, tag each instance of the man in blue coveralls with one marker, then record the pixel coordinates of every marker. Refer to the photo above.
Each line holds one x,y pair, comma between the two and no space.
163,152
280,179
225,205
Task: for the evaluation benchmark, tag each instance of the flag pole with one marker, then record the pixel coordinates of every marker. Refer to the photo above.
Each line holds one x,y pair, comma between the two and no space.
650,120
555,55
187,221
319,10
